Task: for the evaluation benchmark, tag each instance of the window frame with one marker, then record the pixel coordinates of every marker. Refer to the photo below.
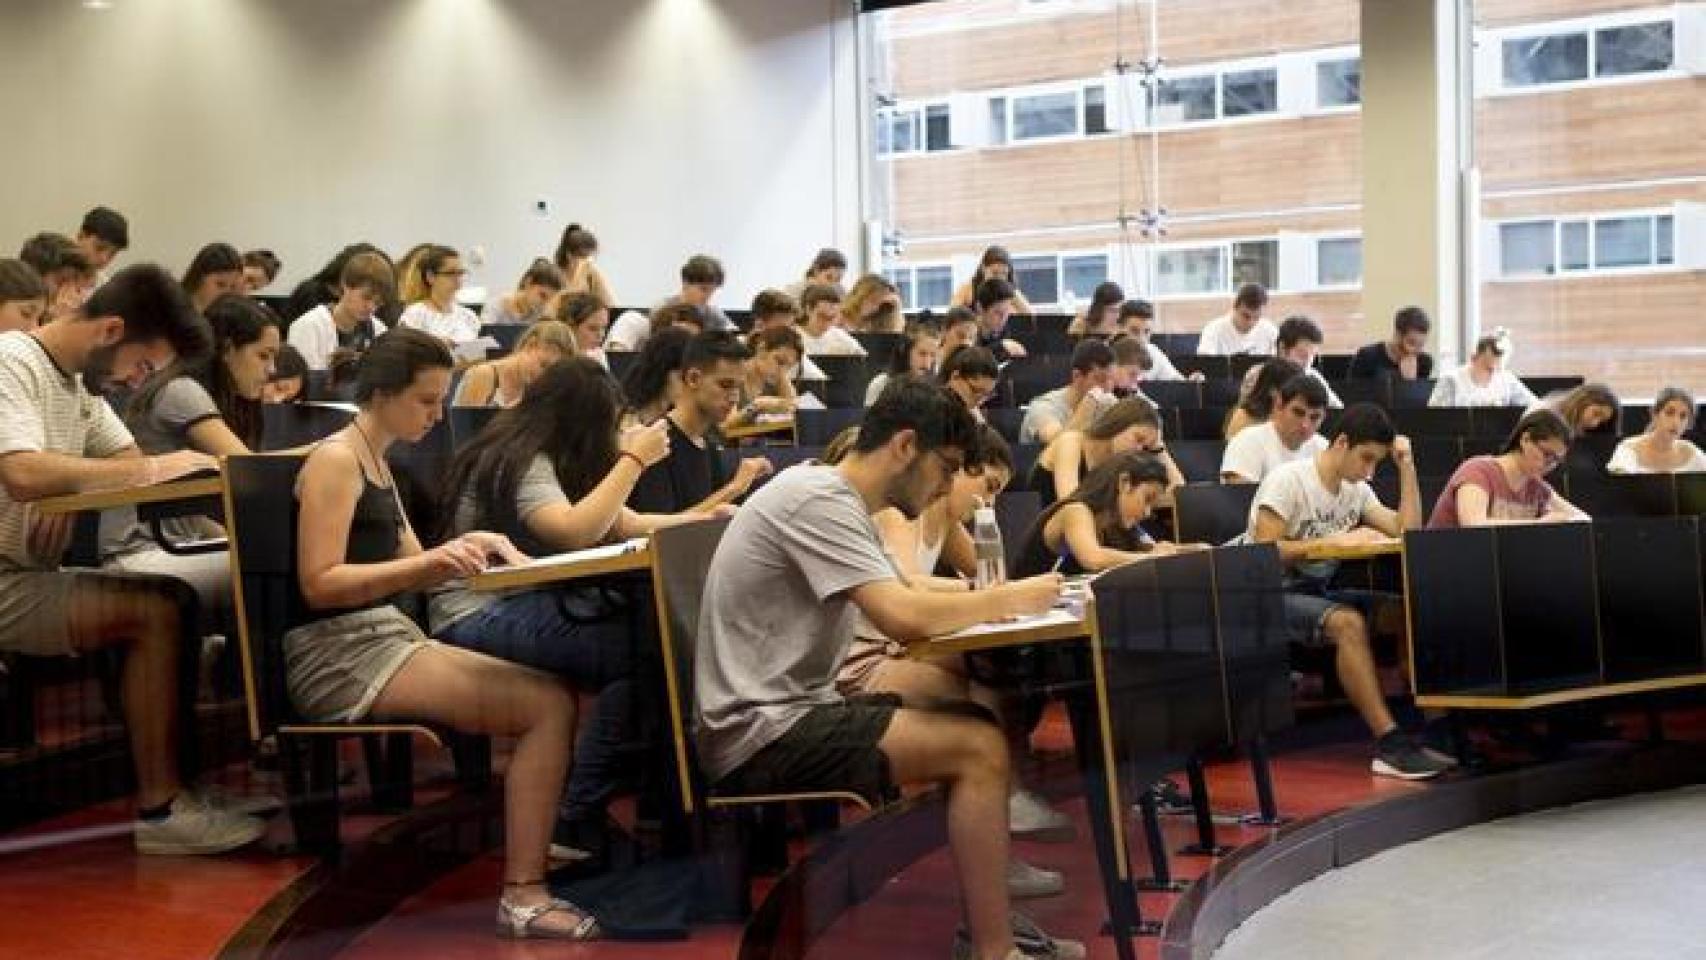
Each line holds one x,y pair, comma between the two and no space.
1315,242
1592,220
910,268
1495,38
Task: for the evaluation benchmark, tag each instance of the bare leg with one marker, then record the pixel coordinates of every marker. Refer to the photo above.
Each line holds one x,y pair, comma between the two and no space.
474,693
970,758
144,614
1348,632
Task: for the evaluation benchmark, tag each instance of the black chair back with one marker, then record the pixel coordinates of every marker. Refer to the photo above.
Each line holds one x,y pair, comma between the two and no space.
815,428
1198,460
1212,512
848,377
1016,511
260,523
681,556
467,422
506,334
1211,366
285,426
1202,423
1168,394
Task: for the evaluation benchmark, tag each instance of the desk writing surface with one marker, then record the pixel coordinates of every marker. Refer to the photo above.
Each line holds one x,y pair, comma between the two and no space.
1390,547
765,424
190,488
628,556
1057,624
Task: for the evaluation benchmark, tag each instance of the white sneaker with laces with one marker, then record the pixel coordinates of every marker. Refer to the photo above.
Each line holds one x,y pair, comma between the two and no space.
195,827
1029,817
1026,881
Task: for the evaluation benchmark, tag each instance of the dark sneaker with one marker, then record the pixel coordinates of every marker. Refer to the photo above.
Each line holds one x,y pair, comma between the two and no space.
1169,799
1029,941
1401,756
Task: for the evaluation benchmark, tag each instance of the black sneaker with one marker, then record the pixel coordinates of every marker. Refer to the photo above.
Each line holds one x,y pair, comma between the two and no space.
1029,941
1400,755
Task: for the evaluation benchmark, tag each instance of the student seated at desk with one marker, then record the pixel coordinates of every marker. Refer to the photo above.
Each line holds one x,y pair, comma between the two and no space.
530,298
1299,341
1137,318
1260,395
1132,424
355,656
58,438
820,324
1483,381
829,266
210,404
1092,375
917,355
959,329
1288,435
1102,317
501,382
64,267
1132,365
996,302
1243,329
972,375
773,308
552,475
1405,356
23,296
650,385
764,383
289,377
776,624
1326,499
691,476
1662,449
440,271
701,278
1511,487
588,317
1589,408
260,269
216,270
577,251
323,288
875,665
1098,525
872,306
995,264
333,337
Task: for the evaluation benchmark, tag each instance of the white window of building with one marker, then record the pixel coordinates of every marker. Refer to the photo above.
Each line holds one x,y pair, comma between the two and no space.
1624,241
1338,262
1633,44
1338,83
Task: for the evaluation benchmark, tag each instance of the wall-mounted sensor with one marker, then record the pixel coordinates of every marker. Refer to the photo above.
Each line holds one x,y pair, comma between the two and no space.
542,207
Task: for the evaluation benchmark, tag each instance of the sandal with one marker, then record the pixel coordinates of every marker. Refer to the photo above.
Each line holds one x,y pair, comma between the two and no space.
516,922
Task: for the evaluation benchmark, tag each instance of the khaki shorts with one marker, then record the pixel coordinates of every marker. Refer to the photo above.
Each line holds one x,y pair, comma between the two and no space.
336,668
35,611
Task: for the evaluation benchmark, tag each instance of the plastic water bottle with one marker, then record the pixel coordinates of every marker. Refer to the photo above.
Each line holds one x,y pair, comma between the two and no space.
991,555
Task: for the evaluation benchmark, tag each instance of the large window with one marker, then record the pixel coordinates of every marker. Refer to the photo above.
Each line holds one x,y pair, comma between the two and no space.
1542,57
1591,194
1544,247
1177,149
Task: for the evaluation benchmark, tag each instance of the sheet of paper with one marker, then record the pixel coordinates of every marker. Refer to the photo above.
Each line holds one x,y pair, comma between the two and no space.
1054,618
580,556
808,401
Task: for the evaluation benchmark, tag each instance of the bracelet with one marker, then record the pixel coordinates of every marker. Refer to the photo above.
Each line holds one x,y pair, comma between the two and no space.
634,456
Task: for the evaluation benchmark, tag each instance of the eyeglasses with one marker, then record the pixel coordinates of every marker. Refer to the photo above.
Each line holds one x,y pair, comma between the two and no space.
1549,456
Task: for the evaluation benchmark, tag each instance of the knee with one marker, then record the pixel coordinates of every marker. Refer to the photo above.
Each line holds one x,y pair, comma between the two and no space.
1346,626
986,750
550,705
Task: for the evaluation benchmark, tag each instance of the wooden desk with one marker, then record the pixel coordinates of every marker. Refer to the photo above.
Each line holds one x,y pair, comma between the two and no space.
1056,625
632,556
169,492
765,425
1501,701
1361,551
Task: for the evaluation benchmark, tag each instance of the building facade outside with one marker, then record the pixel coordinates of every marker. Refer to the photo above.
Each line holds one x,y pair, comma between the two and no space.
1183,147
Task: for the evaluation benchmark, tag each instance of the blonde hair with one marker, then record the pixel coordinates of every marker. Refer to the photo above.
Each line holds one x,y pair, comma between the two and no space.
549,333
411,286
866,290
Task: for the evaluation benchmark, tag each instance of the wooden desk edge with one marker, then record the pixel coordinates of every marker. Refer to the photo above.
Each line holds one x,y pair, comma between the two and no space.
1532,701
562,573
132,496
1047,633
758,429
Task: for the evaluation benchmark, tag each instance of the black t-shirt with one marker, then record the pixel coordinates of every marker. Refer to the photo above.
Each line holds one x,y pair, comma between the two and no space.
1373,362
681,480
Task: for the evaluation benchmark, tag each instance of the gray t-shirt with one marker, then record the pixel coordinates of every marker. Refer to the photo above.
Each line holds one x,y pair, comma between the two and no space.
46,409
497,312
776,620
1052,405
538,489
162,428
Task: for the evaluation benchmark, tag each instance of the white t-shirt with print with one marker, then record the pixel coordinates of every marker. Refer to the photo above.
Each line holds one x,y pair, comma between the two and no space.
459,325
1221,338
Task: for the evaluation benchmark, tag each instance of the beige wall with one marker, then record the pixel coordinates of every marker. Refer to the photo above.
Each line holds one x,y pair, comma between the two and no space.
668,126
1410,224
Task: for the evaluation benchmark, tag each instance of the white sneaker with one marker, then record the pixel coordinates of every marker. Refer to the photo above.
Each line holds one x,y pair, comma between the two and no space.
195,827
1026,882
1029,817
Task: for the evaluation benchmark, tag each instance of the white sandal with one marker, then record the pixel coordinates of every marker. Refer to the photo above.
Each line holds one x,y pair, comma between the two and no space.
515,922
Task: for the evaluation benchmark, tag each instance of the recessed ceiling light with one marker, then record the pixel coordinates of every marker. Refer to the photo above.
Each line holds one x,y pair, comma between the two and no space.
97,4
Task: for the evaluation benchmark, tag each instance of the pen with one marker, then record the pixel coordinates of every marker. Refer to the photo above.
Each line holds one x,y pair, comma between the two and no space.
1057,562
